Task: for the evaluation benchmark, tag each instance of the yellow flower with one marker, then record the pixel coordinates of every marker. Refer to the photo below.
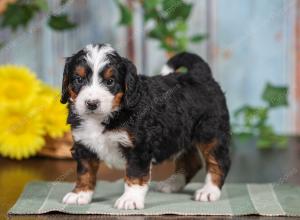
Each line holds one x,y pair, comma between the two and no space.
18,84
21,132
29,110
54,114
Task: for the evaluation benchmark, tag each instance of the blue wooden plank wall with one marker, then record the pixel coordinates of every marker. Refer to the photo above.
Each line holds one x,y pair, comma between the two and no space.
43,50
253,45
251,42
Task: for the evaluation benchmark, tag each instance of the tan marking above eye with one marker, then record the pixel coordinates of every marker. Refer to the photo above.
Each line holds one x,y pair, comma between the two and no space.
80,70
108,73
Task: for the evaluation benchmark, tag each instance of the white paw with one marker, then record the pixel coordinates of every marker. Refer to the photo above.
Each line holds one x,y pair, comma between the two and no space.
129,202
80,198
208,193
132,198
174,183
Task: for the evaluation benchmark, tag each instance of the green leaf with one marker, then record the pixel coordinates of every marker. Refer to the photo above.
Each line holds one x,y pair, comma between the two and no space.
181,26
282,142
160,31
169,6
126,14
154,34
60,22
180,10
248,112
41,4
275,96
166,46
264,143
198,37
181,43
240,110
185,11
17,14
152,14
252,119
149,5
267,131
243,136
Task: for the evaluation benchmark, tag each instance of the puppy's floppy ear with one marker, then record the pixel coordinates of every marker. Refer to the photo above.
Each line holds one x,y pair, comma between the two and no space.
132,95
65,82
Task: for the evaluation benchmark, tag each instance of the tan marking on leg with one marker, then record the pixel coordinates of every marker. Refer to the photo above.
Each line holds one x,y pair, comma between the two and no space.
212,165
137,181
86,181
143,180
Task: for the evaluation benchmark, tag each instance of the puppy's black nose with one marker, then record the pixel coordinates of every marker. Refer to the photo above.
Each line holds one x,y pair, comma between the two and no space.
92,104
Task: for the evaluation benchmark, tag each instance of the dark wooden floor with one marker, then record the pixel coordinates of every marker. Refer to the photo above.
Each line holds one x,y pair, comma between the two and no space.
249,165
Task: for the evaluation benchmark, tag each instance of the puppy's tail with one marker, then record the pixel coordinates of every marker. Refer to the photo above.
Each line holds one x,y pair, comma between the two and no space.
187,60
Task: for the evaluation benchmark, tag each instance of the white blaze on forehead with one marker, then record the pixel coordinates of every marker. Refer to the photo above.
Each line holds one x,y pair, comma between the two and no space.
97,56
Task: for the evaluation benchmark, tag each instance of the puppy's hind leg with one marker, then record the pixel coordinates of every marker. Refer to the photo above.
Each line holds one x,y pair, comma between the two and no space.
216,155
186,166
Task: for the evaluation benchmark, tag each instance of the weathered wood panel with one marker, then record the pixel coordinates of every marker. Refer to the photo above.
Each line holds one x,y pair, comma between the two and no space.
43,50
252,45
250,42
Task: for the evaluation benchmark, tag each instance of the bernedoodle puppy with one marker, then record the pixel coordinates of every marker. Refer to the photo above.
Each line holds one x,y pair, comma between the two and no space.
132,121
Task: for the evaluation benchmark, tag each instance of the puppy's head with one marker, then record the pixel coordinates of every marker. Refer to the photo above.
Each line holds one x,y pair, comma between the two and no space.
97,81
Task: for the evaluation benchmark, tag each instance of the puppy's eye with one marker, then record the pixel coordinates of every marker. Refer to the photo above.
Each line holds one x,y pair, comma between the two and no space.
110,82
79,80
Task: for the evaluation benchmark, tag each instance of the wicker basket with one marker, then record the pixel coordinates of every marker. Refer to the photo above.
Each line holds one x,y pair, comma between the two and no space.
58,147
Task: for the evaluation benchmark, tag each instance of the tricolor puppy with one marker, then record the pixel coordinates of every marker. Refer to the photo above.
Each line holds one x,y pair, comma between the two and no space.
132,121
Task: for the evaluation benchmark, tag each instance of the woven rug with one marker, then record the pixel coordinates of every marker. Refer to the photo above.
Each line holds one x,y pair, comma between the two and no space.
236,199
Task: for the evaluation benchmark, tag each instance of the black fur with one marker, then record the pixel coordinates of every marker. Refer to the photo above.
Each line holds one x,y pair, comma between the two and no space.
168,115
173,112
79,153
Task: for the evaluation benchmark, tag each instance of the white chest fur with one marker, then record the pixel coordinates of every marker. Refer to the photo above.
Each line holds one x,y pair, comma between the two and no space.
105,145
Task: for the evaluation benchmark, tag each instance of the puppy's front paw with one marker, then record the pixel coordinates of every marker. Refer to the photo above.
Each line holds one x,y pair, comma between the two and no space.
80,198
127,201
208,193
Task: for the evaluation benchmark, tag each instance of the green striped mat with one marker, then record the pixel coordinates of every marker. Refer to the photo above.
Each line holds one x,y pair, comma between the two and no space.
237,199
